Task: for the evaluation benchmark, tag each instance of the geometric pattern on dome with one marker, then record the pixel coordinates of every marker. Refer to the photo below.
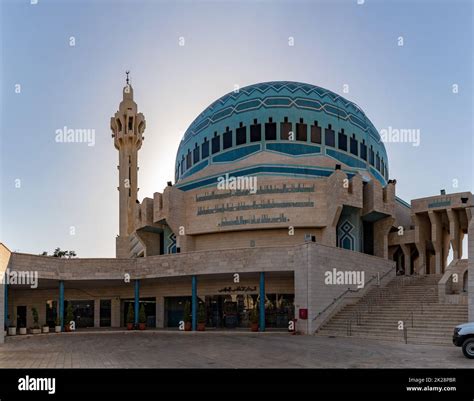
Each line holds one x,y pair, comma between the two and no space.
319,99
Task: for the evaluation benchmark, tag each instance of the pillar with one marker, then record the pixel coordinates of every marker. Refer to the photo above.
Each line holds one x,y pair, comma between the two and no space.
406,249
437,240
97,312
194,303
262,301
137,300
7,320
455,234
61,304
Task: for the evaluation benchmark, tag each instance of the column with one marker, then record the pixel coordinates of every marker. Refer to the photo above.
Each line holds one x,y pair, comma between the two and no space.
137,300
97,312
437,240
194,303
6,320
61,304
262,301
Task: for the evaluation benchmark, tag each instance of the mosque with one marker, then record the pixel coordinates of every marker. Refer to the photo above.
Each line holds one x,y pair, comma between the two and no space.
276,184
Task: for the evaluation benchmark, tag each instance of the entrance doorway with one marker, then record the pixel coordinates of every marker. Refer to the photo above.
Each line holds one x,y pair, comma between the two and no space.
105,312
150,310
83,312
21,316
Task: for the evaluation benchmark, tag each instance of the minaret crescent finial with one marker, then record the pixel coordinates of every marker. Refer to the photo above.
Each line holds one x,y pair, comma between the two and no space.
127,72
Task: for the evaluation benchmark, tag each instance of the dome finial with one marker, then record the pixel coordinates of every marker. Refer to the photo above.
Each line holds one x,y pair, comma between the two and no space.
127,72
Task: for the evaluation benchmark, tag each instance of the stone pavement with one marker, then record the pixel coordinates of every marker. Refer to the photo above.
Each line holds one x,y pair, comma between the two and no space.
161,349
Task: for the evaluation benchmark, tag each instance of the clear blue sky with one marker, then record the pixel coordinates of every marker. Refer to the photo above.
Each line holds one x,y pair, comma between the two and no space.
226,43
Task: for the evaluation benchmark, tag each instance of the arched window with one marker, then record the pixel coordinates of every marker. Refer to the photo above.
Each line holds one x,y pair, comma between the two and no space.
371,155
377,162
270,130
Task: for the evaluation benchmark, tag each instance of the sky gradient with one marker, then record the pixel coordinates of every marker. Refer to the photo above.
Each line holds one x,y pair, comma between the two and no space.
67,195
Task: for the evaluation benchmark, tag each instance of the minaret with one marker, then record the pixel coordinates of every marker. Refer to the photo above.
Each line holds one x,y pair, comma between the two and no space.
127,130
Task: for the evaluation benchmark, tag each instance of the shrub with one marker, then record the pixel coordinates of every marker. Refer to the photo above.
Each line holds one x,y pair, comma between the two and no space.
142,314
130,314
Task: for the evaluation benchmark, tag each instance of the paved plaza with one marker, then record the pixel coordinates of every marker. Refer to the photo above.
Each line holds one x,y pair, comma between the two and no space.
155,349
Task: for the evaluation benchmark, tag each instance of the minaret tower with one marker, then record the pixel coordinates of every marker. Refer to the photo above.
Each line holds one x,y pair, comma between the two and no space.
127,130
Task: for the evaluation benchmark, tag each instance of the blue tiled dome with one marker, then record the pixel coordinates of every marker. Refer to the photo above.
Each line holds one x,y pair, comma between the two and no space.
281,101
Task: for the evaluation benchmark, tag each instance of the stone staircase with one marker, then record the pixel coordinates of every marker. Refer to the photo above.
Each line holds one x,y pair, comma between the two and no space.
412,300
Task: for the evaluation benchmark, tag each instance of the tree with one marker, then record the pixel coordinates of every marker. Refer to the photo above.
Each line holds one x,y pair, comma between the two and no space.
58,253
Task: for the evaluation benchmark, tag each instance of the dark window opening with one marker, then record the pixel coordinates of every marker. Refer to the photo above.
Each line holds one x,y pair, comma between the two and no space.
353,145
182,165
342,139
382,167
377,162
130,123
188,160
227,139
363,150
315,133
216,143
205,149
196,154
285,129
329,136
255,132
371,155
270,130
241,135
301,131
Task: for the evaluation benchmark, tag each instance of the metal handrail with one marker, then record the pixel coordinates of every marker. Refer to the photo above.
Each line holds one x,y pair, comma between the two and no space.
356,290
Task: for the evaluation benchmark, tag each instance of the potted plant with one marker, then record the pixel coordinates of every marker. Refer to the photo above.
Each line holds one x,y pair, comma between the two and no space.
12,327
187,316
254,319
142,318
201,326
69,317
130,317
45,328
57,328
36,327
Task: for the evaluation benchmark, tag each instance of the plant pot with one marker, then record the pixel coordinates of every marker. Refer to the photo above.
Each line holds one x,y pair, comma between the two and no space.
67,328
141,326
22,330
35,331
129,326
254,327
188,326
57,329
45,329
201,326
12,331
